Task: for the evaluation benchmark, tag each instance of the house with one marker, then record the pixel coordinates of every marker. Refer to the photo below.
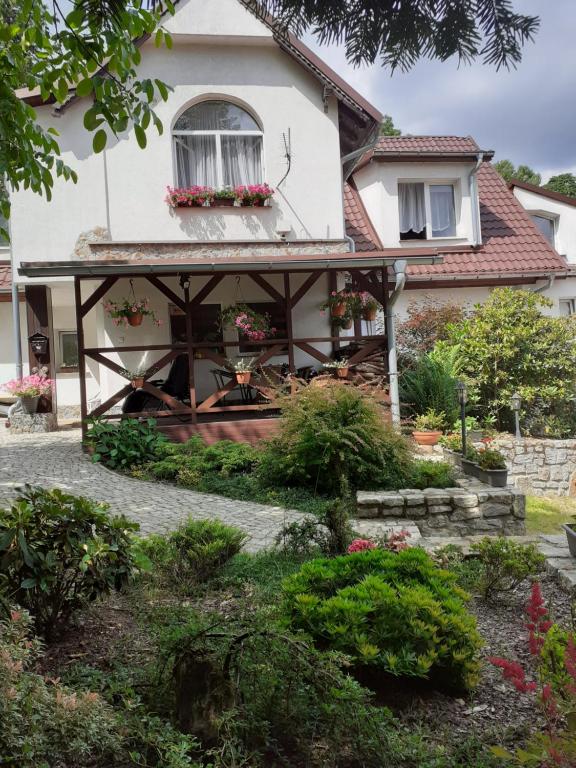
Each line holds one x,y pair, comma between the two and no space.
555,216
249,106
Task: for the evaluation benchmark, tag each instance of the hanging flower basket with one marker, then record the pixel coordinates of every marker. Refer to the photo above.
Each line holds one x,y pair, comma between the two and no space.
130,311
247,322
342,303
368,306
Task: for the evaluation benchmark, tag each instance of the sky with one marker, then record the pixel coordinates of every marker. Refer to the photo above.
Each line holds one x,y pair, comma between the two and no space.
527,115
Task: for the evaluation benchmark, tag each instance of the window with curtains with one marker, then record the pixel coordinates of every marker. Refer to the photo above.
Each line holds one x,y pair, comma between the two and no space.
426,210
217,144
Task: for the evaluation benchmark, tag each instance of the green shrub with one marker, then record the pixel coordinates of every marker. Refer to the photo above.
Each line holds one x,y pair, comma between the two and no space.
505,564
431,420
431,474
195,552
332,438
60,551
398,612
123,444
430,385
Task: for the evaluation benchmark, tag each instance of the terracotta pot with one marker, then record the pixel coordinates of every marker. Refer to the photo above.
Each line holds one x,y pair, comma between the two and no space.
369,315
428,437
243,377
135,318
223,202
347,325
138,382
342,373
338,310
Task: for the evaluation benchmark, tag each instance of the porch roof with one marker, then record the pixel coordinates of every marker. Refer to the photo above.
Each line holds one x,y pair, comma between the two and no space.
248,263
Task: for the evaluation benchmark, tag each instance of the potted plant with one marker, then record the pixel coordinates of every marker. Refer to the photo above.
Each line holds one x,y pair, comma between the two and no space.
344,322
137,377
248,323
340,367
340,303
253,194
189,197
492,467
225,197
242,369
368,306
570,529
428,427
130,311
29,390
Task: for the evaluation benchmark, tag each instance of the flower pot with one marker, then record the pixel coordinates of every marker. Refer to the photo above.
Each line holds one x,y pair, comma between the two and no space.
342,373
135,318
346,325
571,536
497,478
29,404
369,315
427,437
470,468
338,310
243,377
138,382
223,202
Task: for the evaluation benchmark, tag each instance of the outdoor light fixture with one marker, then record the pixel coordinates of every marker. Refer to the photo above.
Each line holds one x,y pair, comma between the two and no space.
462,399
516,402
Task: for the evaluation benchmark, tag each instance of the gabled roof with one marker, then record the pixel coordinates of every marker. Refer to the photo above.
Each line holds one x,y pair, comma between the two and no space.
543,192
511,242
418,144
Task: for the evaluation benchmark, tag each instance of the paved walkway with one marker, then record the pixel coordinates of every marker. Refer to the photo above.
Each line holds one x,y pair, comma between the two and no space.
55,460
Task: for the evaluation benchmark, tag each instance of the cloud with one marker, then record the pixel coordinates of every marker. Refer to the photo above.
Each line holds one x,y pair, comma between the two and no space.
527,114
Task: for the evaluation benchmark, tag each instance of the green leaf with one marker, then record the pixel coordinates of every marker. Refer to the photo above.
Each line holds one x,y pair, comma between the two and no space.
75,18
502,753
99,141
26,554
168,40
162,89
28,584
140,136
84,87
158,38
91,119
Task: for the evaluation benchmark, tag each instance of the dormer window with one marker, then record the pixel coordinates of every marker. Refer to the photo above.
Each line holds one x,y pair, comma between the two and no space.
427,211
217,144
546,225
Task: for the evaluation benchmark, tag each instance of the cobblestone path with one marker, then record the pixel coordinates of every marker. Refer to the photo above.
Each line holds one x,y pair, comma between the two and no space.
55,460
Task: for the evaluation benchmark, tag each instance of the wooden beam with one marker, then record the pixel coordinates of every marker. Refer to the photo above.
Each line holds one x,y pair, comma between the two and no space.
170,401
190,350
168,292
332,286
101,291
215,396
265,285
115,398
81,354
365,351
289,331
305,347
206,290
305,287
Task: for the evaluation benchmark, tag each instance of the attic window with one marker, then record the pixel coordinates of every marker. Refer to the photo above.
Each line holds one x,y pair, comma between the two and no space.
547,226
217,144
426,211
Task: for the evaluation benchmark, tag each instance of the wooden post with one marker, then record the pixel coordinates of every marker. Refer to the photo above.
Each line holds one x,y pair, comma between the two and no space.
185,281
289,332
39,320
357,320
81,354
332,286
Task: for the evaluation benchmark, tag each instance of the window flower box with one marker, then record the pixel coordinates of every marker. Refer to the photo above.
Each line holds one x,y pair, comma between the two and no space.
253,196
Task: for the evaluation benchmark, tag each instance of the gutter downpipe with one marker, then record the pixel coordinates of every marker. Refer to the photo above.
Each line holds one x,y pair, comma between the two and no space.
400,272
474,198
16,330
548,284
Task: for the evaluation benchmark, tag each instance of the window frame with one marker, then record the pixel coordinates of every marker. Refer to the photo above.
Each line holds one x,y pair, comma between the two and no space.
218,136
571,301
66,368
553,218
427,183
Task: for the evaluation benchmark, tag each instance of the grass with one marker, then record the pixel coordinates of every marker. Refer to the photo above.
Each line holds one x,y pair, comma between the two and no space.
546,515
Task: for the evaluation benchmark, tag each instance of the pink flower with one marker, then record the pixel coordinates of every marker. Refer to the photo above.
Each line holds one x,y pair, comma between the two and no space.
359,545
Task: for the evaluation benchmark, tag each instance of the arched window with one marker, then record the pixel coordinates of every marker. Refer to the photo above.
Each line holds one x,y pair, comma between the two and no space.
218,144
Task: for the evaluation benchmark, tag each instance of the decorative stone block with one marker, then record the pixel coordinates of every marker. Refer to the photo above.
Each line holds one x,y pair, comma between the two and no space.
465,500
23,423
439,509
415,500
465,513
495,510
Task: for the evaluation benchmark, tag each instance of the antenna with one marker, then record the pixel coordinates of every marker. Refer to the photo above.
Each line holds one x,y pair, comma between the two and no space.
287,155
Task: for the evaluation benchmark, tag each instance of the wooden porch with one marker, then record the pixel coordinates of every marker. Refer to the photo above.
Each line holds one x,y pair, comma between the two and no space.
222,414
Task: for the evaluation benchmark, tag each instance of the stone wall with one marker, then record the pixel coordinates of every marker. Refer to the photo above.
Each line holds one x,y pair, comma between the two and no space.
471,509
540,467
23,423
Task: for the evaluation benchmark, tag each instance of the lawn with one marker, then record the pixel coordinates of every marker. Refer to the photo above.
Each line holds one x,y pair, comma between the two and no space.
546,515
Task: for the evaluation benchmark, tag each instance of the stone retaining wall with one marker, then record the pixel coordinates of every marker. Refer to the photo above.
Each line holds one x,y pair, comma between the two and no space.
23,423
463,511
540,467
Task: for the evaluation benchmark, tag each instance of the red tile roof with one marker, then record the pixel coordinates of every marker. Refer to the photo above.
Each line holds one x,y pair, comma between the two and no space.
358,224
5,276
511,242
436,144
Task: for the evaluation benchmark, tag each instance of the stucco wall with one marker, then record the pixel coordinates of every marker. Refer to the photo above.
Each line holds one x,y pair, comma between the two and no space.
566,219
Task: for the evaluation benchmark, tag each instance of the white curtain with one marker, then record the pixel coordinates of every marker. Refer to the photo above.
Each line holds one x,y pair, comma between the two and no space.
196,160
412,208
442,210
215,116
241,160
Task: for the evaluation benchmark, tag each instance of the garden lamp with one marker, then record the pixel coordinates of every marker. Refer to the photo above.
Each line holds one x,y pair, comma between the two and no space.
516,402
462,399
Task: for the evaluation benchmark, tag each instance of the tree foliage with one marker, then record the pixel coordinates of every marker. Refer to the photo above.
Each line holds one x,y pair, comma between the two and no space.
387,127
401,33
92,51
509,345
508,171
565,183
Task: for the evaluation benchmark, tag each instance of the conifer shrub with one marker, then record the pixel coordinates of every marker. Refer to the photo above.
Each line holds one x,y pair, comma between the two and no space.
398,613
